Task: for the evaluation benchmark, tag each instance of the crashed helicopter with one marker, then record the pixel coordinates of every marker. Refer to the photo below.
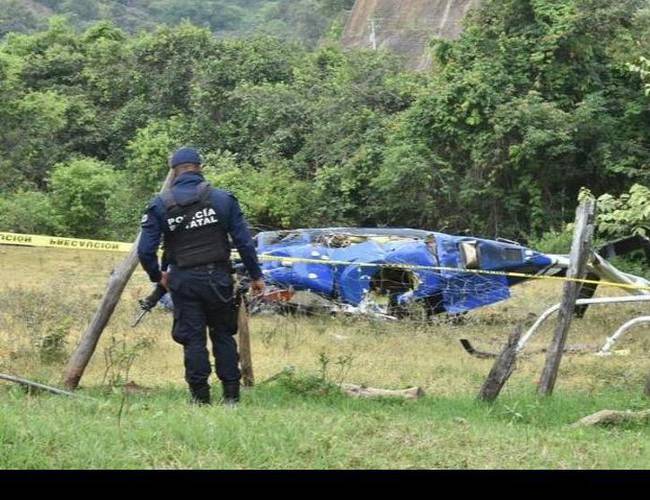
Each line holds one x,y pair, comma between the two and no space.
384,272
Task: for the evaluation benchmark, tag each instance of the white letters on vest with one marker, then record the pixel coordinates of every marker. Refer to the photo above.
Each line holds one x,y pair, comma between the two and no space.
201,218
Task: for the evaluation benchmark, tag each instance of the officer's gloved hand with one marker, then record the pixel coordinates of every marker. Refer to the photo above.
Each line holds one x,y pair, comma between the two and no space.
257,287
149,302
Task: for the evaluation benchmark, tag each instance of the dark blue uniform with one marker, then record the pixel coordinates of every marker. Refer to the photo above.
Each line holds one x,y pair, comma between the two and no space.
202,295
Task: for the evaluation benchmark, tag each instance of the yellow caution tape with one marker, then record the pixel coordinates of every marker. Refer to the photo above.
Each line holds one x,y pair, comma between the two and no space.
117,246
33,240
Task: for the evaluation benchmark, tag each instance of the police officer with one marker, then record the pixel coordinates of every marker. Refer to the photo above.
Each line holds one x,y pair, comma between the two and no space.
195,220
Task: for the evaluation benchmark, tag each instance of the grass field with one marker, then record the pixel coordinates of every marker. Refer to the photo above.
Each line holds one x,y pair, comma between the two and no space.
48,296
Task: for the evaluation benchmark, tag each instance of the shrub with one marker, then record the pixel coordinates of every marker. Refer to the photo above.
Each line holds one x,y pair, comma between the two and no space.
80,192
40,321
29,212
272,197
629,214
51,345
554,242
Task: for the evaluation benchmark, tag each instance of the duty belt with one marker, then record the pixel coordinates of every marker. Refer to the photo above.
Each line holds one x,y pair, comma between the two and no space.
225,267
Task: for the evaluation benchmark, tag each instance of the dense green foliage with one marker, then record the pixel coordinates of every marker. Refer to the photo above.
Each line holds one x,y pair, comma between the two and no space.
627,214
300,20
536,99
533,102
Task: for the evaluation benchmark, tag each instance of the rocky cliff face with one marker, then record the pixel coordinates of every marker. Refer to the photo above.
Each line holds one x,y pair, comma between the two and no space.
405,26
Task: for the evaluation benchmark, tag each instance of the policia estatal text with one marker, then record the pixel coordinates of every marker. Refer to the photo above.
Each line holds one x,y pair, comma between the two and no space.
194,221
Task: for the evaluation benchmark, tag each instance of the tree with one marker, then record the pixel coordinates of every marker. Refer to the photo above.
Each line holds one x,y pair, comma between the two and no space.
166,61
80,191
534,100
29,212
628,214
29,137
528,105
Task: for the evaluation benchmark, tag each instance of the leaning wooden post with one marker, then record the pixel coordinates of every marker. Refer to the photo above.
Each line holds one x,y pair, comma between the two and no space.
502,368
116,285
245,358
580,250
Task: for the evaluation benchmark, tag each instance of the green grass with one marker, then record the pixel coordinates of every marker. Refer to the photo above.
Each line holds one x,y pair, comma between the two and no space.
51,294
277,428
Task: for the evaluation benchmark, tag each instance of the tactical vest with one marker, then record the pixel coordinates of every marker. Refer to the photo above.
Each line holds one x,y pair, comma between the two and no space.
196,235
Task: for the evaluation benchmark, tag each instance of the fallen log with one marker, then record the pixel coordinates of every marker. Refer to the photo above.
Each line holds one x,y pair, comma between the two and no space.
355,390
29,383
613,417
359,391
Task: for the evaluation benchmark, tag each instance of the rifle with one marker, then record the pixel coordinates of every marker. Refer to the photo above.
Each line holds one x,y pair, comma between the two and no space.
149,302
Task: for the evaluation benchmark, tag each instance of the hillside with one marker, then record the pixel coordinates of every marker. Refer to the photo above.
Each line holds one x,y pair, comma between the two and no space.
405,27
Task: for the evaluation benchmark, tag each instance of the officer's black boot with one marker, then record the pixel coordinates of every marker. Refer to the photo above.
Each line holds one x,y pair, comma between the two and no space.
230,393
200,394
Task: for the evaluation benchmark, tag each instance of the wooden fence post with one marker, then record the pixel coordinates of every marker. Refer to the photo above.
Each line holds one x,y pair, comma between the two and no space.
245,358
502,368
580,250
116,285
